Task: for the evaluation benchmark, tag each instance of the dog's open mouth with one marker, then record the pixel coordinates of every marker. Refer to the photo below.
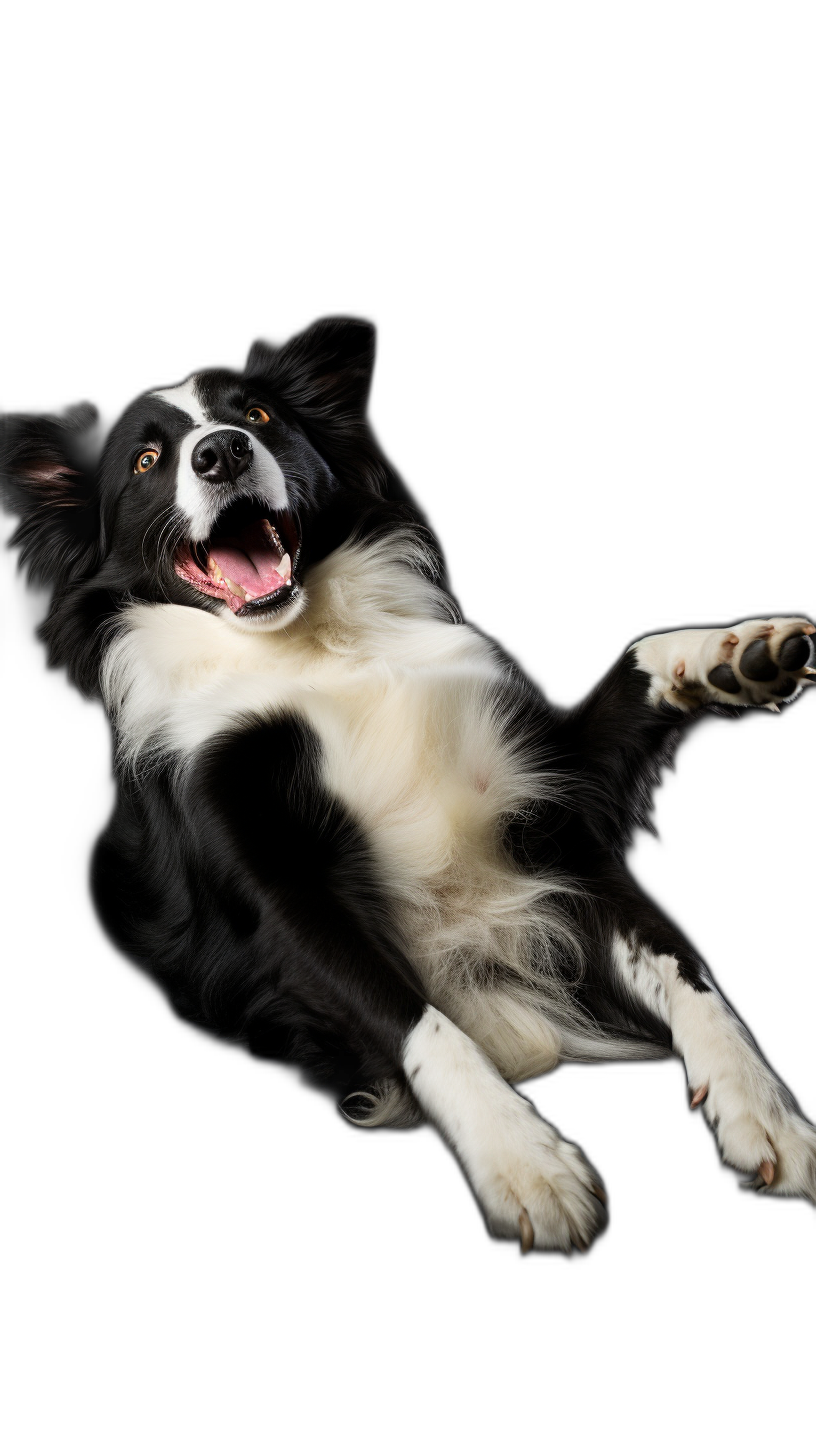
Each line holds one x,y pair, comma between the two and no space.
249,561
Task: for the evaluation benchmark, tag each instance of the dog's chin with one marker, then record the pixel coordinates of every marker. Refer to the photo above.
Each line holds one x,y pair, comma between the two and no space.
273,620
249,564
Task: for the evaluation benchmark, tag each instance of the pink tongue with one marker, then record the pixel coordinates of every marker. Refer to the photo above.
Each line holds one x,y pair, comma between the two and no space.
250,562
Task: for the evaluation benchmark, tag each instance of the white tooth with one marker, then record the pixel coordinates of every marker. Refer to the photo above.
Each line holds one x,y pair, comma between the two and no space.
284,567
250,596
237,591
214,569
271,534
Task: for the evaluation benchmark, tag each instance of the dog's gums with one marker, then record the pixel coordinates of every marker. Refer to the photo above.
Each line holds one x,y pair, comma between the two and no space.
249,561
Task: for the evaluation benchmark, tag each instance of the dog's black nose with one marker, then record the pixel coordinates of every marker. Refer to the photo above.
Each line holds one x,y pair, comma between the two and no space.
222,456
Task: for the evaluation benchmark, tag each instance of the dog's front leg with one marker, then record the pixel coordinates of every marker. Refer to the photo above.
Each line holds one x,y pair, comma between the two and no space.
530,1183
757,1123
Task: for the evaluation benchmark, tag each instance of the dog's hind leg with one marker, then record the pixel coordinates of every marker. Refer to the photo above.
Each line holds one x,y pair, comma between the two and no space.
616,742
531,1184
757,1123
321,976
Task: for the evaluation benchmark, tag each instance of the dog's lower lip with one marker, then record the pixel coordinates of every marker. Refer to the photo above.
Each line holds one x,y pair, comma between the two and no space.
256,606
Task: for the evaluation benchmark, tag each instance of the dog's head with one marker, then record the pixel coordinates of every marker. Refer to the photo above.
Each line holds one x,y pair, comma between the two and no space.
216,493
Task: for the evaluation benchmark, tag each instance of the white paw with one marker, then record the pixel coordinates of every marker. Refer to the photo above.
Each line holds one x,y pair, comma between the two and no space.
532,1185
757,1129
535,1187
760,663
794,1143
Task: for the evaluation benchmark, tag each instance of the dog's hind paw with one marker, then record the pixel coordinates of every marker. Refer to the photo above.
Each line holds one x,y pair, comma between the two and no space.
538,1189
759,1129
792,1169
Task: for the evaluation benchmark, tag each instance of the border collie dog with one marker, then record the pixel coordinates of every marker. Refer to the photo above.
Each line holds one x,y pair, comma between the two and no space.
349,831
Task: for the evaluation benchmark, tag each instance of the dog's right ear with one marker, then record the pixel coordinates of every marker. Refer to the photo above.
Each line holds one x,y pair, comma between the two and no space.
323,376
48,480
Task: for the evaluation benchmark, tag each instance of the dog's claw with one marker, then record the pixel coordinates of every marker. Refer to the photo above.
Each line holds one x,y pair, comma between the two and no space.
599,1193
526,1231
579,1244
766,1172
699,1096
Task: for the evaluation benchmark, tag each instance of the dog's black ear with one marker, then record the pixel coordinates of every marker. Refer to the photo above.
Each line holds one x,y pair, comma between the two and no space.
323,373
323,376
47,479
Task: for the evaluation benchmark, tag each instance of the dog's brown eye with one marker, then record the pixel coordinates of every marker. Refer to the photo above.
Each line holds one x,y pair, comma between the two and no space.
257,416
146,462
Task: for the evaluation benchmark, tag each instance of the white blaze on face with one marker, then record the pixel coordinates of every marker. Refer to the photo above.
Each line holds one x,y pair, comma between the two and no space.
264,477
185,397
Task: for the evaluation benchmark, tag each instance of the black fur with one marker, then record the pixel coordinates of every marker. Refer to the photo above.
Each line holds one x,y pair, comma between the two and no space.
285,949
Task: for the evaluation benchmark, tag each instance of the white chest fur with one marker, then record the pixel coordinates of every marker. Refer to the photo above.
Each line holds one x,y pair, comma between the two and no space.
407,707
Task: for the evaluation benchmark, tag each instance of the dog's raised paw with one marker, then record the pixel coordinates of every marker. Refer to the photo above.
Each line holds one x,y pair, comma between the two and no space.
760,663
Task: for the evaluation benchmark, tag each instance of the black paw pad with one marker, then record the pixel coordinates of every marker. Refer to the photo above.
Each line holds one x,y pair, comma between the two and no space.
756,662
724,678
795,653
785,688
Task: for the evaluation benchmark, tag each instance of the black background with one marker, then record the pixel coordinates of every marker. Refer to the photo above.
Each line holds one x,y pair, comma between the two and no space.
589,377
